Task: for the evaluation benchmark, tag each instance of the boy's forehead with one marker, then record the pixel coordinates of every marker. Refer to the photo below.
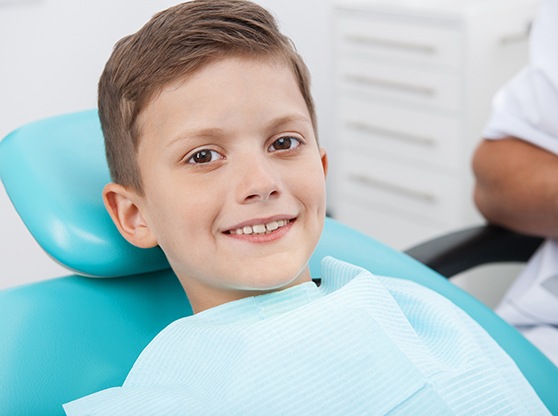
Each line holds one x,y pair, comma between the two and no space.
247,61
213,70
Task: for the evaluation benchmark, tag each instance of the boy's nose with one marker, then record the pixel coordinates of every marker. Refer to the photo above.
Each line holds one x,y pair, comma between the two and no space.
259,182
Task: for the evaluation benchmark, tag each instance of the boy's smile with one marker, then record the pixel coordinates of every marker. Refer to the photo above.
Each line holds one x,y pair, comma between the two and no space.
259,228
233,180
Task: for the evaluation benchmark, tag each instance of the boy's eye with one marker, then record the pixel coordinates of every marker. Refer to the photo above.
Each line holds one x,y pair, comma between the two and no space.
204,156
284,143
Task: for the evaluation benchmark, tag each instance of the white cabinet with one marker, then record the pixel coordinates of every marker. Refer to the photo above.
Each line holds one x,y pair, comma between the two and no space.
414,82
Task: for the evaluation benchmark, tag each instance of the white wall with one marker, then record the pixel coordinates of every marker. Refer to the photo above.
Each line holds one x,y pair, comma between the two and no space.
51,55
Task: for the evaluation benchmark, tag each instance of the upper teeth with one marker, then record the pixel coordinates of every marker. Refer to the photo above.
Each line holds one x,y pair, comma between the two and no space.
260,228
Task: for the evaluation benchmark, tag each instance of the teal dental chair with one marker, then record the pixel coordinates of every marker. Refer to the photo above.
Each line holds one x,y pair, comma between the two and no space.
65,338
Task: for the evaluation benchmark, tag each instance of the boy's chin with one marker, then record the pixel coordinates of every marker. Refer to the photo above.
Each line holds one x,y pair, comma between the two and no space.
273,283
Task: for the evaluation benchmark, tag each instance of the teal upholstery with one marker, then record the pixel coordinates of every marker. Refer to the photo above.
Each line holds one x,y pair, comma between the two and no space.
59,165
68,337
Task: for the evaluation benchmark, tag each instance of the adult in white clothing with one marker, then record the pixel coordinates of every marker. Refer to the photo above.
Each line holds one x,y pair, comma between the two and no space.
516,169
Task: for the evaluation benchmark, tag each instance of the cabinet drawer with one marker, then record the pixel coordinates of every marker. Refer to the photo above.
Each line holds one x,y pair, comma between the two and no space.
423,194
398,40
406,84
422,136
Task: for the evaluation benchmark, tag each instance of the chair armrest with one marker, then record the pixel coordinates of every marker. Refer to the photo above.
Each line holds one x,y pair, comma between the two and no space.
462,250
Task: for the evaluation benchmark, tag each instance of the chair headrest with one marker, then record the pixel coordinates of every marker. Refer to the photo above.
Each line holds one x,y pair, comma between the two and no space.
54,171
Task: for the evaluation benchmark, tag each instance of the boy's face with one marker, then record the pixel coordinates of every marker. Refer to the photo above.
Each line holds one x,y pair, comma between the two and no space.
234,181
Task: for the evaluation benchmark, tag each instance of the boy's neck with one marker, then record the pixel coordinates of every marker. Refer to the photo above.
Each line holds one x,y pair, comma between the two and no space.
202,300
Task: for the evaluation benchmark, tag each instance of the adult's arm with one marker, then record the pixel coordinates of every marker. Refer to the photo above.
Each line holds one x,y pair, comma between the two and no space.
517,186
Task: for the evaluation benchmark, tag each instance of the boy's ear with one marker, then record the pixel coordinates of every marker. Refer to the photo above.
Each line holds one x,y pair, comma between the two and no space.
122,205
323,155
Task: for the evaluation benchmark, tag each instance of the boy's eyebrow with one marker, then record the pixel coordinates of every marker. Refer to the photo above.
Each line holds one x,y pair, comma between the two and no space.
287,119
213,132
210,132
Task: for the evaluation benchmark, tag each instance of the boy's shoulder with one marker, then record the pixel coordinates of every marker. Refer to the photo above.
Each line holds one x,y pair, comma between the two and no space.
337,273
386,298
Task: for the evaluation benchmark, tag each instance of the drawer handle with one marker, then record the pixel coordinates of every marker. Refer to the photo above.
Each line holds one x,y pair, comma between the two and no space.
382,83
514,38
393,188
406,137
385,43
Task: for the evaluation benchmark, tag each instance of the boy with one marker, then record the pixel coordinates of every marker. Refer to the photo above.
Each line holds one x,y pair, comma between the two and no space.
209,130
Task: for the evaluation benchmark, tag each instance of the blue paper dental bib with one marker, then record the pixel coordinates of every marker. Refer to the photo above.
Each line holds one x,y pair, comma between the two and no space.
358,344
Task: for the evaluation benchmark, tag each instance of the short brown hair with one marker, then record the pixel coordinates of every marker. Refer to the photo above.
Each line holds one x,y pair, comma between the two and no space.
176,43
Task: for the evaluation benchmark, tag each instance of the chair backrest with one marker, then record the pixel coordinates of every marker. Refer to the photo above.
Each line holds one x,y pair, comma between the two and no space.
68,337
